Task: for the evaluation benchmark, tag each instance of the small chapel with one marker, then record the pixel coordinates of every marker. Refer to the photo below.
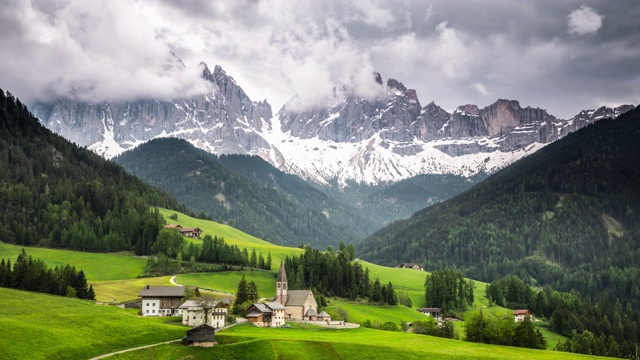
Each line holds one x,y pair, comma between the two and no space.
299,304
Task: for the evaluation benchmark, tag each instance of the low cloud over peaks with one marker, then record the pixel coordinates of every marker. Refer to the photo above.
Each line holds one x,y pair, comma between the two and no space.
584,20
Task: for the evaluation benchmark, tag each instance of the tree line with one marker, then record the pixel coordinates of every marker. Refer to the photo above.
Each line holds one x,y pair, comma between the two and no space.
332,273
34,275
448,289
484,329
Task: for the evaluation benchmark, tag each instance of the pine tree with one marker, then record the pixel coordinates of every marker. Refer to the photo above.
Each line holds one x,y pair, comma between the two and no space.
252,292
242,295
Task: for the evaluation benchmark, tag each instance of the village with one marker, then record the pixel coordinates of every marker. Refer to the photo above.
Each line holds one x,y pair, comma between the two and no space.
206,315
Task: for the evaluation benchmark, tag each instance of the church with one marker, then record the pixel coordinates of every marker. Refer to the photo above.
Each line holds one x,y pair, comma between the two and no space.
299,304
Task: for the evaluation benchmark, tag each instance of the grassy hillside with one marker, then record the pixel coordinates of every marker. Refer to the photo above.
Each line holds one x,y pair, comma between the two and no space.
308,342
125,290
96,266
232,236
37,326
228,281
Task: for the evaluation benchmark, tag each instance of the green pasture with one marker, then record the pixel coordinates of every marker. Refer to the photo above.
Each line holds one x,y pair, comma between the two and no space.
360,312
409,280
227,281
125,290
40,326
309,342
96,266
232,236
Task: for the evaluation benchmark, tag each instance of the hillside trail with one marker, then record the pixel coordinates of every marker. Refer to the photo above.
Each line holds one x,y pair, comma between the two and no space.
133,349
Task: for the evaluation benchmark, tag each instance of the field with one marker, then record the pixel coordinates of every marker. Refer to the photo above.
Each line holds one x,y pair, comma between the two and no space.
308,342
95,266
124,290
360,312
39,326
227,281
232,236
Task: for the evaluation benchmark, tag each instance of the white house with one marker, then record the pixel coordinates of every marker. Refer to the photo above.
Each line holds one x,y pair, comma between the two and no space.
519,315
161,300
436,313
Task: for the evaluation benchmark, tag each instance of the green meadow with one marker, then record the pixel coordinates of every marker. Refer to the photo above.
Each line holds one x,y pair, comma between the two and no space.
40,326
227,281
95,266
310,342
232,236
360,312
125,290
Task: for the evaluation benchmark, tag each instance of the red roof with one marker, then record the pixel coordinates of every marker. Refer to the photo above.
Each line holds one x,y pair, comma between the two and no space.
522,312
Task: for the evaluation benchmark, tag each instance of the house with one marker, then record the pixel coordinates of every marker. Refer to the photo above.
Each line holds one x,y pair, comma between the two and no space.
433,312
519,315
299,304
270,314
202,335
193,313
161,300
173,226
191,232
410,266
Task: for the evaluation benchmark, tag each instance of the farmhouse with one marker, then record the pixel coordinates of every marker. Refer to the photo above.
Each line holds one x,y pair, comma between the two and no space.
519,315
193,313
161,300
410,266
270,314
191,232
203,335
299,304
433,312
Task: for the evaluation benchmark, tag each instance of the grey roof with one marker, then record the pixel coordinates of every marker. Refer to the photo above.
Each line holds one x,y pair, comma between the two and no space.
297,297
431,310
253,314
190,304
262,308
275,305
162,291
282,273
311,312
324,315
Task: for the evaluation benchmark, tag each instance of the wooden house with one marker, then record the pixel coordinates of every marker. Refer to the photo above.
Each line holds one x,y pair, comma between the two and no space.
203,335
410,266
161,300
191,232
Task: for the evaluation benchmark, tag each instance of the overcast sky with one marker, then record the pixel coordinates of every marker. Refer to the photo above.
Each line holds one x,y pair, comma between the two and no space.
563,56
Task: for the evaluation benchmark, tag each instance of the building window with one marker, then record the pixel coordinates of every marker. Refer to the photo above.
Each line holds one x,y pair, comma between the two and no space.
153,311
154,304
147,311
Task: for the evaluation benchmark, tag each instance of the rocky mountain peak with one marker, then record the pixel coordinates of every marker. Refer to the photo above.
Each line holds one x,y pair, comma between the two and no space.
393,84
377,77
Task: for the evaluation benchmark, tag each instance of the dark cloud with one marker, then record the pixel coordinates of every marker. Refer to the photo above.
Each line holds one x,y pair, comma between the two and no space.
451,51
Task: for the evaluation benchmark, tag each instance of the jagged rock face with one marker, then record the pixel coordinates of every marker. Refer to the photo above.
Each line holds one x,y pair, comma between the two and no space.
355,119
224,121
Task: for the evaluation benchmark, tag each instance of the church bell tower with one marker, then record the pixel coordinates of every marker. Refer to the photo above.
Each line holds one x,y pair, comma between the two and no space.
281,285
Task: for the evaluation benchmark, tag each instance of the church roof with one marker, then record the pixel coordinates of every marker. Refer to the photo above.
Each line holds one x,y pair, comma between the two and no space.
297,297
282,274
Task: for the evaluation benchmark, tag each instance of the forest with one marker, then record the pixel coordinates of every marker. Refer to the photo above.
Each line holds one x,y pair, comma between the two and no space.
199,180
56,194
566,216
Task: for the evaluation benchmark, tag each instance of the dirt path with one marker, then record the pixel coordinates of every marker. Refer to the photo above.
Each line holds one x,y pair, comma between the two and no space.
133,349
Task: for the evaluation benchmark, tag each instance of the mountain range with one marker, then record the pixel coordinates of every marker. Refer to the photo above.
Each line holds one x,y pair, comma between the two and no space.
349,140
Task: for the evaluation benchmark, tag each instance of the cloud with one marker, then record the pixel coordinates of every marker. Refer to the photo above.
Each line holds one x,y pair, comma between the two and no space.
480,88
584,20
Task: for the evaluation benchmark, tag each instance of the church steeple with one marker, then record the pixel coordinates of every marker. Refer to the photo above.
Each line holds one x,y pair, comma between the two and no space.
281,285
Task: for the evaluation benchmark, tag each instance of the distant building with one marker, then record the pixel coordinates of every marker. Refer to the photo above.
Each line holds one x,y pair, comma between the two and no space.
173,226
519,315
299,304
191,232
433,312
203,335
193,313
410,266
161,300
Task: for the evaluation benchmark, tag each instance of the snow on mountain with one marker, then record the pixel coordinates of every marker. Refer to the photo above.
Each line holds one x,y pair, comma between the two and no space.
386,139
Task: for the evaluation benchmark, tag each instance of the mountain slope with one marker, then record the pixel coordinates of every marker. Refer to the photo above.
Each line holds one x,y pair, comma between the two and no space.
567,215
198,179
55,194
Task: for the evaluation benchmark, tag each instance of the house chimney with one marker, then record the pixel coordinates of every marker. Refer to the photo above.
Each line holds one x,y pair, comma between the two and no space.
147,286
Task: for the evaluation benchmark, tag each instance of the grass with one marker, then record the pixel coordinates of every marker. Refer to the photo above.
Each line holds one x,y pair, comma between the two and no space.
125,290
95,266
359,312
232,236
227,281
39,326
409,280
309,342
